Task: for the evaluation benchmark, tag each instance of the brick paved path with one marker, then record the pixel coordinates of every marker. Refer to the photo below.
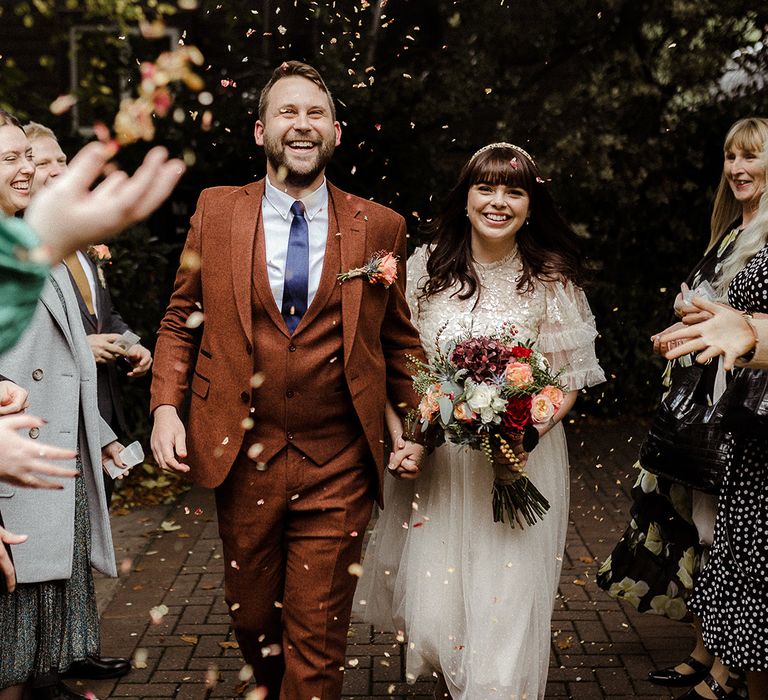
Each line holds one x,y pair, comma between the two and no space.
600,649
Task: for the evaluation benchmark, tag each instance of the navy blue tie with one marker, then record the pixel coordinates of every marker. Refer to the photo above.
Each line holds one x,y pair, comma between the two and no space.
296,269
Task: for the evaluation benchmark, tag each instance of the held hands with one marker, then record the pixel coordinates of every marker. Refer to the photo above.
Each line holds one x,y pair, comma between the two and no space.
405,459
169,439
13,399
22,461
93,215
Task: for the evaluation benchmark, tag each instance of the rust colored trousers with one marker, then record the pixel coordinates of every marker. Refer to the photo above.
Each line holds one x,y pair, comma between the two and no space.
290,533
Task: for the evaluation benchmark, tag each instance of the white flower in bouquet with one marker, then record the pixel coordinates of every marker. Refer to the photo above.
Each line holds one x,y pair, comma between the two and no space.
485,400
540,361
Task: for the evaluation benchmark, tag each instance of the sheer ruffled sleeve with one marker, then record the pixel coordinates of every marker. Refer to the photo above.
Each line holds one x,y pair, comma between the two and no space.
416,277
567,336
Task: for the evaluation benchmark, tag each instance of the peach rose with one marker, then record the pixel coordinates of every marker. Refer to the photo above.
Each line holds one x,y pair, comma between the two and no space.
100,252
554,394
387,271
428,406
463,413
519,374
542,408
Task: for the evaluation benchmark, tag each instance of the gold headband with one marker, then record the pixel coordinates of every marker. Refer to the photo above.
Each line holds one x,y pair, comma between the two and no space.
502,144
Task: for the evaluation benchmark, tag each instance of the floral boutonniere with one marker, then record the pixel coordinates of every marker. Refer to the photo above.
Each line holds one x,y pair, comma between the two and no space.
380,269
100,255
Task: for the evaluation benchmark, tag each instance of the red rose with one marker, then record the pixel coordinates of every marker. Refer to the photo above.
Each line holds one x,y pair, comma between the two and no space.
517,416
521,351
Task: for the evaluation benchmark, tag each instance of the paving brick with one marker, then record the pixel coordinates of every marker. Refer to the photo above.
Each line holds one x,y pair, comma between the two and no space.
610,651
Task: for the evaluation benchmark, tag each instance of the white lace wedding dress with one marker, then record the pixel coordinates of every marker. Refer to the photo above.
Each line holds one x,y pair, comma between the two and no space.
474,598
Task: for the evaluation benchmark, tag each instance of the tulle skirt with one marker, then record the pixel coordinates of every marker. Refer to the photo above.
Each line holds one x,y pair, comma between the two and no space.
472,597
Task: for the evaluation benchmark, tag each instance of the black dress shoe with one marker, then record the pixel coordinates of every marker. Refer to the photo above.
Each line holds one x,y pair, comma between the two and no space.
675,679
718,690
98,668
58,691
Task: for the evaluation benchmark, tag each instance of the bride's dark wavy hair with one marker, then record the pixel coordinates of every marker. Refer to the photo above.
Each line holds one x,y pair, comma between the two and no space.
549,248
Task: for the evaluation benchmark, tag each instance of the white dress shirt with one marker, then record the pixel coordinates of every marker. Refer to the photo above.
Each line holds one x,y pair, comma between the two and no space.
277,217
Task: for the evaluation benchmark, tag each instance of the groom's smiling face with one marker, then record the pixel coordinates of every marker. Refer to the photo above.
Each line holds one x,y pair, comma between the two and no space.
298,132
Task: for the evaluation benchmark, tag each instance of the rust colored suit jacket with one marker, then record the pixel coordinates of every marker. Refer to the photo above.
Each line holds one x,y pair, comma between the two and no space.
215,360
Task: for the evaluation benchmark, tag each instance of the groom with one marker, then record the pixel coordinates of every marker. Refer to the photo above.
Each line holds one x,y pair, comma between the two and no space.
289,372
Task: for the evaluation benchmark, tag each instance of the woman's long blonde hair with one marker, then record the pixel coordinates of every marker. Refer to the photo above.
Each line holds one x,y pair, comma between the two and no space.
750,240
750,134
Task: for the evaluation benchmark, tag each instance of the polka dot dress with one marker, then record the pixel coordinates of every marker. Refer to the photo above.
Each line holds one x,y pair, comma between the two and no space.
731,596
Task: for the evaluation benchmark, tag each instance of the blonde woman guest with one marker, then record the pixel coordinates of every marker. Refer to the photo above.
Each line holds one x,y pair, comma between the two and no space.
731,597
679,518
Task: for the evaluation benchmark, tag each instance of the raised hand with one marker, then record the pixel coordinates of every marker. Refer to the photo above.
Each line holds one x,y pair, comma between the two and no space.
68,215
714,329
23,461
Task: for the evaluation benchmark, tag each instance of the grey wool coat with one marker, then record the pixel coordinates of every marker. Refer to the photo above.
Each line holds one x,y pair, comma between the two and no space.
53,361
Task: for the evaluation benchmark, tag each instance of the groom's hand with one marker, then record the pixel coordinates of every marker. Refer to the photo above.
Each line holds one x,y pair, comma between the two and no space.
405,461
169,439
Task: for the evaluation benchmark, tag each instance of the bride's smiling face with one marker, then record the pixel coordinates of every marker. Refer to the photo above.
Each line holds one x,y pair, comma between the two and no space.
496,212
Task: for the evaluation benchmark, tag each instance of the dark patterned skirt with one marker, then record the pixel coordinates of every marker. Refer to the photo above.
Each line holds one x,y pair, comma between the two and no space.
44,627
731,596
658,558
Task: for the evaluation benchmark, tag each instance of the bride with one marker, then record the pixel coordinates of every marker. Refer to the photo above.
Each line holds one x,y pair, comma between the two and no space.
474,598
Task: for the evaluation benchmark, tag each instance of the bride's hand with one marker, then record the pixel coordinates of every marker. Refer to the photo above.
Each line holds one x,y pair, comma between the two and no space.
520,453
405,461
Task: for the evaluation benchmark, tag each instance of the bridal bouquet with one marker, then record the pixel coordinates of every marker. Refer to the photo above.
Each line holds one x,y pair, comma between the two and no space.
483,392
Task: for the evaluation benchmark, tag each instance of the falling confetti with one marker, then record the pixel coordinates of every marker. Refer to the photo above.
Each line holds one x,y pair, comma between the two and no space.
195,319
157,614
62,104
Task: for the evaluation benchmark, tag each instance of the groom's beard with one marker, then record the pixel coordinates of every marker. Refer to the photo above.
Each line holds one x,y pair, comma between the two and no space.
298,173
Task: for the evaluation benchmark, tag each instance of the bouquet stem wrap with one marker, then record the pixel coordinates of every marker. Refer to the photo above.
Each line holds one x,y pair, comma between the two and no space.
514,494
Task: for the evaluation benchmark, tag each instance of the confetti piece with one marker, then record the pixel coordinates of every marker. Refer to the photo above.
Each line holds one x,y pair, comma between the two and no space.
234,565
140,657
195,319
255,450
62,104
230,645
355,569
157,614
189,638
169,526
212,676
125,566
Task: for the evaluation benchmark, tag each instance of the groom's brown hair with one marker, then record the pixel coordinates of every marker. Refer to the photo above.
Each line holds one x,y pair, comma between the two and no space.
288,69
